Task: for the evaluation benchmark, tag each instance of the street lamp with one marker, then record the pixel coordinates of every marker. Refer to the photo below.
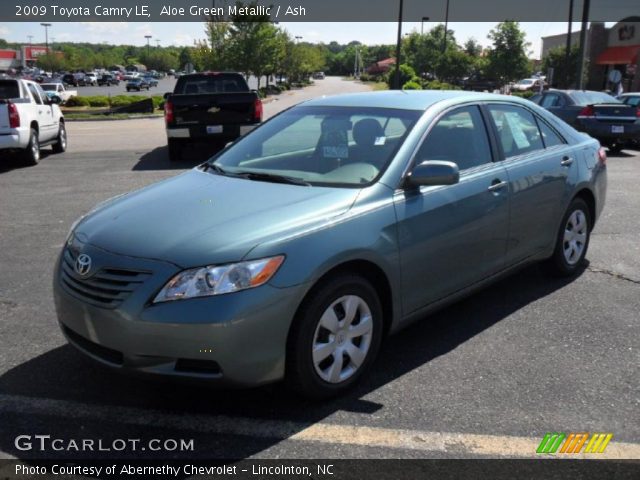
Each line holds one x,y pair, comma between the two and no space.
298,38
46,34
446,26
148,37
424,19
396,83
30,37
157,42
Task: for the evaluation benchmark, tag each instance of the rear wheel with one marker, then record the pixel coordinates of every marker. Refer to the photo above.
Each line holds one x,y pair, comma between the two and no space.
572,240
61,142
335,337
32,152
175,150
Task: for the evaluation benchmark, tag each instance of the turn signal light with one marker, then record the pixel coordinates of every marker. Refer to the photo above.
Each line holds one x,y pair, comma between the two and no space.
14,116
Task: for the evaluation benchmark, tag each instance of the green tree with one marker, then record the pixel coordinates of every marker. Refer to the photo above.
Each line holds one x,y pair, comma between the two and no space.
564,74
453,65
472,48
507,58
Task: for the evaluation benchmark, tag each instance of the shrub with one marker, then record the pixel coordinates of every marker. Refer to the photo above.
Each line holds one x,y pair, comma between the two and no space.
527,94
98,101
437,85
77,102
411,85
407,74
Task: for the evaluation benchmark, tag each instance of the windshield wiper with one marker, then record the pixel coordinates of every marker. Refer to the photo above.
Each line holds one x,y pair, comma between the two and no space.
216,168
270,177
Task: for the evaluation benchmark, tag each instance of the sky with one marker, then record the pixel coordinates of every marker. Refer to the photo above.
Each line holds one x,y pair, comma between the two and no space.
181,34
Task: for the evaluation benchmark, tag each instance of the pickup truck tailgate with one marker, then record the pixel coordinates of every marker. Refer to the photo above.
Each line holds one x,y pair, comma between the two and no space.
207,109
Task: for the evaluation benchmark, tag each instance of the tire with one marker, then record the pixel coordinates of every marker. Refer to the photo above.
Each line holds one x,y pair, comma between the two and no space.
61,142
175,150
615,148
323,319
568,257
32,152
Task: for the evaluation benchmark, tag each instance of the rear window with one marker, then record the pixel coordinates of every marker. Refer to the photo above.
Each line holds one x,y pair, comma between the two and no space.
9,89
48,87
220,83
592,98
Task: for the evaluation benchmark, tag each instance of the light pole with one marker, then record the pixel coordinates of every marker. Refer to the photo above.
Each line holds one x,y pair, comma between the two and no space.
396,82
46,34
157,43
567,52
148,37
30,37
583,39
298,38
446,26
424,19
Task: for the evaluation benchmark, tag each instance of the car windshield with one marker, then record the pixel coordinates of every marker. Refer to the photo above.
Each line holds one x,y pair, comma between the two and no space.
525,82
592,98
211,83
324,146
632,100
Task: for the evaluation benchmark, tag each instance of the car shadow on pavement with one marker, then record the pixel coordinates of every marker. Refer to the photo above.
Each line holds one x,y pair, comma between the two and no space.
192,155
62,382
13,161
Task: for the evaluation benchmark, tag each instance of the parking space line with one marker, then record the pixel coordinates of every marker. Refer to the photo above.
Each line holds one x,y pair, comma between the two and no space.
455,444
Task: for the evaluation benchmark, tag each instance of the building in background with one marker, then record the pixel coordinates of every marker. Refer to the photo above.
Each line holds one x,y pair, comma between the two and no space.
606,49
27,56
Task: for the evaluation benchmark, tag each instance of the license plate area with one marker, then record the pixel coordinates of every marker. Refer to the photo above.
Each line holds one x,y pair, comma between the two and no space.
617,128
214,129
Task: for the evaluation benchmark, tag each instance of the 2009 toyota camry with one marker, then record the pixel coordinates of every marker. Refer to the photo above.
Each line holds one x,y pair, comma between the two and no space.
293,252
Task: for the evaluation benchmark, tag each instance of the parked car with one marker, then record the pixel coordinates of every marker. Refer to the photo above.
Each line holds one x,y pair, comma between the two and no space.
529,84
209,107
151,81
631,98
59,90
297,249
91,79
479,83
600,115
318,75
138,84
108,79
70,79
29,120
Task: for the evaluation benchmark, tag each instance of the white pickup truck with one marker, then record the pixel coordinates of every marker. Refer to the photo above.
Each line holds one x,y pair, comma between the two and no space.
29,120
60,90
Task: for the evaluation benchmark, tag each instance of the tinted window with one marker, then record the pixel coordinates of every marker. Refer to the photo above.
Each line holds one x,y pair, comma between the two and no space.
536,98
34,93
213,83
9,89
459,136
551,100
549,136
517,130
591,98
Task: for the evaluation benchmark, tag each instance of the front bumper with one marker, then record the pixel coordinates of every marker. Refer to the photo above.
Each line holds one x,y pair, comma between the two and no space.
234,339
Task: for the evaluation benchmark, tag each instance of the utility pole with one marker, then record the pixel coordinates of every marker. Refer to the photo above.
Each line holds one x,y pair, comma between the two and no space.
148,37
446,26
583,37
46,35
157,43
567,52
424,19
396,82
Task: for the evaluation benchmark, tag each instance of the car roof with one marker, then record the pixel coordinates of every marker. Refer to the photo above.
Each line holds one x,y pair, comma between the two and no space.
402,99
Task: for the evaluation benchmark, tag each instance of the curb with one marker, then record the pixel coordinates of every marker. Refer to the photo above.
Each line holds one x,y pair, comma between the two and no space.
105,118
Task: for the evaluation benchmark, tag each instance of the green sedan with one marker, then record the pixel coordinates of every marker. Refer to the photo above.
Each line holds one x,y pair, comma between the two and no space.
294,252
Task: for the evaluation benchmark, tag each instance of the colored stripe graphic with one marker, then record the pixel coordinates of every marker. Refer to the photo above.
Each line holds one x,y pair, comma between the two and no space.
574,442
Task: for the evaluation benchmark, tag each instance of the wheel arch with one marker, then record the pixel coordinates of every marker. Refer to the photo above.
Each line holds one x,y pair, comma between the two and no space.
590,199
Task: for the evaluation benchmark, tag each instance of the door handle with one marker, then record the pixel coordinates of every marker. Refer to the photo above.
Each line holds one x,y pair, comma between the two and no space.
497,185
566,161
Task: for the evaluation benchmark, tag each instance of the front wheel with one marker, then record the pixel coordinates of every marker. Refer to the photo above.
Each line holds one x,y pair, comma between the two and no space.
572,240
335,337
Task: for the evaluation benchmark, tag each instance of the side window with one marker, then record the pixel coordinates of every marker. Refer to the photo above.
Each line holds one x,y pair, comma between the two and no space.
34,93
549,136
517,130
460,136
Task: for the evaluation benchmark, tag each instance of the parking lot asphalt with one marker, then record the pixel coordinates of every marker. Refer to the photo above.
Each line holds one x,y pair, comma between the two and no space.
488,376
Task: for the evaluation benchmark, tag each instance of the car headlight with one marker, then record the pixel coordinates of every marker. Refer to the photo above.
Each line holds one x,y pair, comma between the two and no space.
216,280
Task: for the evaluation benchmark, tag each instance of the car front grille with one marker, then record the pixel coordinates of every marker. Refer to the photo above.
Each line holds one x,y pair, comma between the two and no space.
107,288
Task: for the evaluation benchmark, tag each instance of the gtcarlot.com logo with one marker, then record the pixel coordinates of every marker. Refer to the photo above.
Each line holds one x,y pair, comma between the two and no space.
574,442
45,443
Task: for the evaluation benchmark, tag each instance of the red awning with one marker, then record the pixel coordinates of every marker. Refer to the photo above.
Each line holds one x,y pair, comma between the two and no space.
619,56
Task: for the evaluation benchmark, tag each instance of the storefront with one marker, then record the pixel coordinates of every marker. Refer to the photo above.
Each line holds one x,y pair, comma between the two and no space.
623,53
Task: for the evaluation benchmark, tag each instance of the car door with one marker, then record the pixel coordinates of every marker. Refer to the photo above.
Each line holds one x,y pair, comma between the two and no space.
453,236
540,165
44,112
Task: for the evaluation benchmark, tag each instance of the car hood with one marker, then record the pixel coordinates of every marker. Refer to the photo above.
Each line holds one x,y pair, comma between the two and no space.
200,218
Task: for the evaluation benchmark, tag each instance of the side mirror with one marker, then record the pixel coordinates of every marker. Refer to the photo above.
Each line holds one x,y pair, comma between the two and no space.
433,172
166,95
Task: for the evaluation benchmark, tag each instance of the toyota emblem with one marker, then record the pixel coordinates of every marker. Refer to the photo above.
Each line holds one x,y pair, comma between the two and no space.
83,264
